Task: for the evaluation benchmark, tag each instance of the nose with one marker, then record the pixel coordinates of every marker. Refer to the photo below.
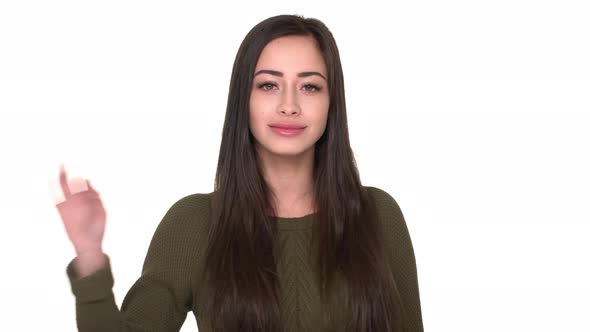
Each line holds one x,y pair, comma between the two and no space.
289,103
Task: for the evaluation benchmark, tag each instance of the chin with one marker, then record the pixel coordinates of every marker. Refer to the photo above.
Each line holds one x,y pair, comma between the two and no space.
284,151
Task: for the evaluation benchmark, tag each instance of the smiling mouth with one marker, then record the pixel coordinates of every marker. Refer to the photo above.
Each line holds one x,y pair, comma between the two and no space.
287,127
287,131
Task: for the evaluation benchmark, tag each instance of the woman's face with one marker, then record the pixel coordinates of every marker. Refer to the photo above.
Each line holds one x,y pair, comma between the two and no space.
290,86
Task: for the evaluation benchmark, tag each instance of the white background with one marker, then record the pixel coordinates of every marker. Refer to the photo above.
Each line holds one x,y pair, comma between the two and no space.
473,115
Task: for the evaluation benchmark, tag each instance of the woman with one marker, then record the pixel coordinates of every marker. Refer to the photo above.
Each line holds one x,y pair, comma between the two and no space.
289,240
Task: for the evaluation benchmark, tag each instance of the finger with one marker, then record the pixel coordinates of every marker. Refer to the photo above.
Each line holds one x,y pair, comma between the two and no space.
55,192
90,187
77,185
63,180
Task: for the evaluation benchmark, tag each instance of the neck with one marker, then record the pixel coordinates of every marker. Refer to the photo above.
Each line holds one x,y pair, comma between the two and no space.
291,180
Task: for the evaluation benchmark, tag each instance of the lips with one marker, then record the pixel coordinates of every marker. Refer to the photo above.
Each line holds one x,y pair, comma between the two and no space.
287,131
287,125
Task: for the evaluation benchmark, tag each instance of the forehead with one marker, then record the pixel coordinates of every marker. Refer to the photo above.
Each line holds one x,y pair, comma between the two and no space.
292,54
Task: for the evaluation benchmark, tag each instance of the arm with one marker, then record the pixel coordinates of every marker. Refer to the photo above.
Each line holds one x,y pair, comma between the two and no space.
158,301
400,251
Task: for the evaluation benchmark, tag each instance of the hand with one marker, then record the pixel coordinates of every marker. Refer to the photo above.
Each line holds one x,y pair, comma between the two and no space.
83,216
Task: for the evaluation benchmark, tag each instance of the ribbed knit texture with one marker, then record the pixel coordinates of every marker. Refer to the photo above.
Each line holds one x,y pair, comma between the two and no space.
165,292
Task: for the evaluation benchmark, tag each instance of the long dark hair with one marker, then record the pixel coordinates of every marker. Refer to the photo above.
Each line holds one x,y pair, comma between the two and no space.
239,267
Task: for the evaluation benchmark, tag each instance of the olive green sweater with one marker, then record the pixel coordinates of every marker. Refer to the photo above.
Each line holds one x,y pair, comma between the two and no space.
162,296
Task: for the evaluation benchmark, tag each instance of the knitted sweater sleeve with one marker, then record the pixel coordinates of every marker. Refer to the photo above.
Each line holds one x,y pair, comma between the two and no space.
401,254
160,298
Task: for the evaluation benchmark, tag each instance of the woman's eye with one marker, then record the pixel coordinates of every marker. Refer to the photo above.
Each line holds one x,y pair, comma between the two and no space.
267,86
313,88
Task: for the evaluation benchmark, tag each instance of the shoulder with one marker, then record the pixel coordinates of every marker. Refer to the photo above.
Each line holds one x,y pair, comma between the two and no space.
187,215
180,234
389,212
189,208
383,200
193,203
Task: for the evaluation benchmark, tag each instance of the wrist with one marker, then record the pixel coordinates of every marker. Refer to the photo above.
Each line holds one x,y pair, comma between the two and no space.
94,251
89,262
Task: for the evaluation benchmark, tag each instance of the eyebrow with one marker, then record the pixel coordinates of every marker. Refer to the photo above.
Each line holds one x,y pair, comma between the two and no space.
280,74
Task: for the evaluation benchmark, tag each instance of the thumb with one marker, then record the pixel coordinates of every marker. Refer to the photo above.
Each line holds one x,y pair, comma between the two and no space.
90,187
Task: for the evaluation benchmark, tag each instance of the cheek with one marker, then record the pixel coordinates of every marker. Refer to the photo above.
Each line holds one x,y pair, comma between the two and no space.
319,104
253,109
256,116
323,107
323,122
257,103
